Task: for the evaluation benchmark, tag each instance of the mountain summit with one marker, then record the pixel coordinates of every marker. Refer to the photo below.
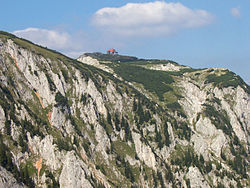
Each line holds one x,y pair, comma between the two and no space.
107,120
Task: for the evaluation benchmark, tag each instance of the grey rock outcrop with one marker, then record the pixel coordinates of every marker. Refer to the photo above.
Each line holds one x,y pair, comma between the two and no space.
73,172
7,180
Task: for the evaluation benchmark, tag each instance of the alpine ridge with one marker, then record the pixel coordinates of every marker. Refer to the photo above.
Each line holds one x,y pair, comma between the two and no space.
107,120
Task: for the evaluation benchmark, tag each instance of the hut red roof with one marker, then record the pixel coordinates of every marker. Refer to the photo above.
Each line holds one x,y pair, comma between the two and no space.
111,50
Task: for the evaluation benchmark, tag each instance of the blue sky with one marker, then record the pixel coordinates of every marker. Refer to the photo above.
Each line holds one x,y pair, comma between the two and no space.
197,33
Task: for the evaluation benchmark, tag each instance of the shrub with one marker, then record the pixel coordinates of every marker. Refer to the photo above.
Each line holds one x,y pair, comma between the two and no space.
63,144
84,98
174,106
61,100
36,73
65,74
52,86
208,167
55,184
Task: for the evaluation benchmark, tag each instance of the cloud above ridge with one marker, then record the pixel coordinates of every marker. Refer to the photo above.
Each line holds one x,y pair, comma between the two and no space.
72,45
45,37
235,12
150,19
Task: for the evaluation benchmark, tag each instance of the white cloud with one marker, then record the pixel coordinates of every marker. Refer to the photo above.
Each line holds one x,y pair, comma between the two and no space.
235,12
49,38
147,19
71,45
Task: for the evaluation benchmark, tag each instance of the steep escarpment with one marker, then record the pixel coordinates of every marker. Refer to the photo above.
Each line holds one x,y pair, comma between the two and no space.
106,121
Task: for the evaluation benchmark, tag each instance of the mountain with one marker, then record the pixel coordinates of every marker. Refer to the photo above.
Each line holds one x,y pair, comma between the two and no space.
118,121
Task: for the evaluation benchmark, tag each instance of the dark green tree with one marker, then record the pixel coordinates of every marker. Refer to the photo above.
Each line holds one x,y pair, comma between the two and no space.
201,159
166,134
128,172
60,99
117,122
123,122
159,175
109,120
158,138
128,135
8,127
209,167
134,105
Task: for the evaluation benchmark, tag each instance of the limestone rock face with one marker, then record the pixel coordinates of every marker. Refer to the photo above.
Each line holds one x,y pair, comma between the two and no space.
58,117
103,141
2,119
194,98
94,62
193,104
235,111
166,67
7,180
196,178
73,174
99,123
144,152
93,92
27,62
47,151
208,138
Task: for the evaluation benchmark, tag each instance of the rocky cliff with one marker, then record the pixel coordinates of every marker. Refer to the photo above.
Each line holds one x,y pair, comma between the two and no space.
118,121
